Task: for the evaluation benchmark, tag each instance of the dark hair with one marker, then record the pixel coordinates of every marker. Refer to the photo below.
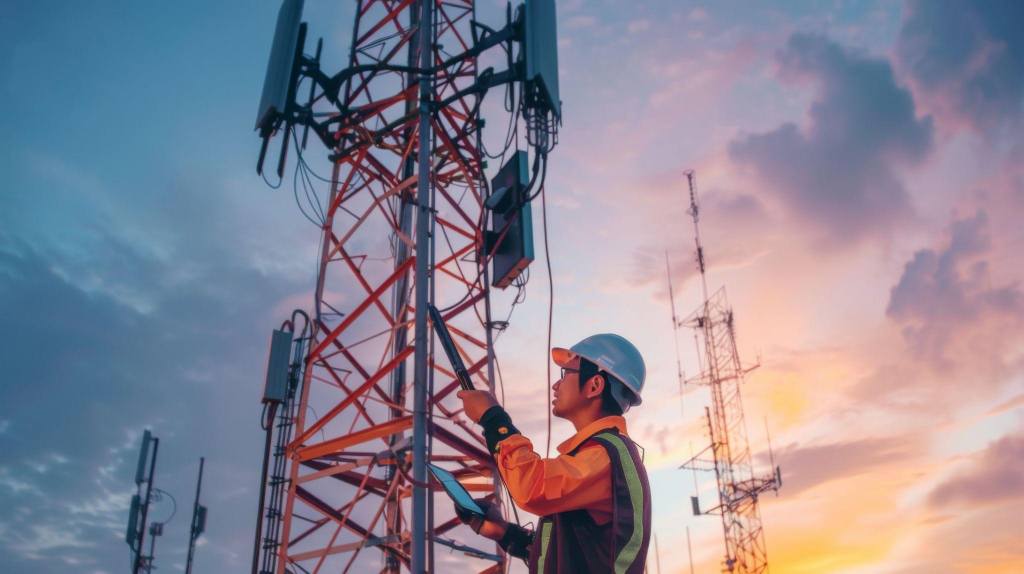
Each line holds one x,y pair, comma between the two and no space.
608,403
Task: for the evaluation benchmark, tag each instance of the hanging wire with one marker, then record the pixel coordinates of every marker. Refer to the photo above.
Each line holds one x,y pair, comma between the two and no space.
174,503
510,132
551,298
280,180
295,194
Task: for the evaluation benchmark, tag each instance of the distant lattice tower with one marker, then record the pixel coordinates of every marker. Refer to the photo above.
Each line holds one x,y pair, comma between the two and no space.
723,373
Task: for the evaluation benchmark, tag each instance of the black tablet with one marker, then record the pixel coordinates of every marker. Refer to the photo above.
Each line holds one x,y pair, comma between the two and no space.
449,349
455,490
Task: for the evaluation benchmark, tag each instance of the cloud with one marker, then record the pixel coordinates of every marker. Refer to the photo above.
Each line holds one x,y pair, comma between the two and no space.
955,320
996,475
580,22
1007,405
637,26
967,57
16,485
839,173
43,539
804,467
942,292
117,319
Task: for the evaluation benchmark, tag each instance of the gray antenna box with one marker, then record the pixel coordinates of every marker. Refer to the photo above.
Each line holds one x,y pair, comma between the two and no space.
140,470
273,101
542,52
515,252
276,388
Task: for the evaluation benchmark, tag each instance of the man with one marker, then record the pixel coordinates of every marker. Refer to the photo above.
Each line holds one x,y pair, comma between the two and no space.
593,499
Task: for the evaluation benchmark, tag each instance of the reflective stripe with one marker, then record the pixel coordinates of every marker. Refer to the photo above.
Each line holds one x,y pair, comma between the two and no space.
636,497
545,537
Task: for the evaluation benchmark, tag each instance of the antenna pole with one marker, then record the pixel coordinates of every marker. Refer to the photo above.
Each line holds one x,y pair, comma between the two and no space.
694,211
771,454
194,530
689,549
657,554
263,489
675,334
154,529
696,488
423,250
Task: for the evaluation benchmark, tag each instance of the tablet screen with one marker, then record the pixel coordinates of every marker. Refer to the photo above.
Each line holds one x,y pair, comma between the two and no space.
455,490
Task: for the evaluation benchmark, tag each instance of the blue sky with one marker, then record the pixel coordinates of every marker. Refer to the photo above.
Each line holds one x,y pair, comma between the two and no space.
141,266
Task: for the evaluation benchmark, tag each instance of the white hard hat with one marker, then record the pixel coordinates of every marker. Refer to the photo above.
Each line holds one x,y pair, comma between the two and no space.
614,355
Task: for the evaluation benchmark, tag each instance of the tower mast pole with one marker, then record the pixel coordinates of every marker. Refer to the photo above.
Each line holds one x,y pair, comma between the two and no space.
193,534
423,250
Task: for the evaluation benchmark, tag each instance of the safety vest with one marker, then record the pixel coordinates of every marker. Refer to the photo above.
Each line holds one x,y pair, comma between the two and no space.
571,542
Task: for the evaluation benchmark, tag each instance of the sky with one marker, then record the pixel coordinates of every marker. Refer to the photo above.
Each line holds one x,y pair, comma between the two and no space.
860,173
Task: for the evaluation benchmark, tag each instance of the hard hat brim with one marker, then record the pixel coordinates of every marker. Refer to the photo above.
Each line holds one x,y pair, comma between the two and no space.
562,357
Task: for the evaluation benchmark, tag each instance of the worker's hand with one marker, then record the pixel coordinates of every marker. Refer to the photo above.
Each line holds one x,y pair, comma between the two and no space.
492,525
476,403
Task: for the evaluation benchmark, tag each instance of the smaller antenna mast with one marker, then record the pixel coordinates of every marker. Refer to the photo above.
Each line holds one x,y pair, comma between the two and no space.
198,520
139,512
694,211
657,553
689,549
675,334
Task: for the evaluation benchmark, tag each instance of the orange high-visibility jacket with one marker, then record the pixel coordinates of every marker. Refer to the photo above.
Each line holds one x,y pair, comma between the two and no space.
593,499
546,486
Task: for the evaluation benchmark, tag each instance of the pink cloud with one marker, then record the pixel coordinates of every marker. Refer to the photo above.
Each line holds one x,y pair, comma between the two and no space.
996,475
809,466
942,292
838,176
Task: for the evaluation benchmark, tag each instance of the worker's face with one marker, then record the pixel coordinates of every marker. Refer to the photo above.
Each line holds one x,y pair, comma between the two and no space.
568,397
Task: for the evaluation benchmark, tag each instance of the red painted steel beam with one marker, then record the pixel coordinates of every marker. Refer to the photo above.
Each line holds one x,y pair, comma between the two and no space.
316,450
350,318
348,400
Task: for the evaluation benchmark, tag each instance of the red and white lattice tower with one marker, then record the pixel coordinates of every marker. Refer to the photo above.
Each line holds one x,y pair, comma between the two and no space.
347,503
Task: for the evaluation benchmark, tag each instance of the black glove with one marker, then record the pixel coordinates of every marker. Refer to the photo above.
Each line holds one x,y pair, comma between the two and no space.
492,512
516,540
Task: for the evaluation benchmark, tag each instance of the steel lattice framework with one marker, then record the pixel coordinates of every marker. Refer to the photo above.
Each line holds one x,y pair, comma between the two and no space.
349,480
723,373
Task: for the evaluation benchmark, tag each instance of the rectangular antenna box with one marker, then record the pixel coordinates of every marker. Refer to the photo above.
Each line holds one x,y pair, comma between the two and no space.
140,469
276,388
274,99
509,207
132,534
542,53
200,521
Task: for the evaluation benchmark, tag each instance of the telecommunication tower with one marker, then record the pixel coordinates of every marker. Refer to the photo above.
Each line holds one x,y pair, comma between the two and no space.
723,373
355,404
